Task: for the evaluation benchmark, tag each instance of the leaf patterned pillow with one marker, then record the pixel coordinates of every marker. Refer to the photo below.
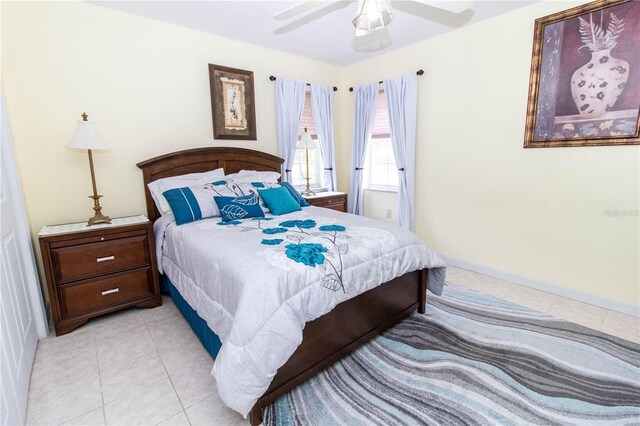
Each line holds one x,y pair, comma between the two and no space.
234,208
253,187
228,188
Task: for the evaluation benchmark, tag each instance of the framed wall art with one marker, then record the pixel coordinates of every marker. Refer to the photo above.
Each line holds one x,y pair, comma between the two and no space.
584,88
232,103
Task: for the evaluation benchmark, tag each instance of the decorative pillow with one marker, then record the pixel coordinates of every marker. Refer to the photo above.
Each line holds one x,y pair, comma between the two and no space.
279,200
158,187
254,176
253,187
234,208
227,188
295,194
191,203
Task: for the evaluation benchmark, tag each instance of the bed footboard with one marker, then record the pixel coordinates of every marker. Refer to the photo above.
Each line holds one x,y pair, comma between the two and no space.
348,326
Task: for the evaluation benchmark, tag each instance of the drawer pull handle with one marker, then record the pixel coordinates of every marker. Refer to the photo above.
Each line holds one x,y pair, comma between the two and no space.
113,290
104,259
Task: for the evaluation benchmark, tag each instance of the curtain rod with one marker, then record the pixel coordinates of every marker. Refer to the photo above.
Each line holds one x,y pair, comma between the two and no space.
272,78
419,72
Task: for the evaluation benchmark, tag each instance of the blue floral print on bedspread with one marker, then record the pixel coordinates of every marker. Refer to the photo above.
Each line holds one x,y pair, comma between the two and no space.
329,228
272,242
231,222
308,253
301,224
274,230
328,256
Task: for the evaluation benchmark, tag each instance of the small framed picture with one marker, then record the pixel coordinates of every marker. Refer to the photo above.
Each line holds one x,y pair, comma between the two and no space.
584,88
232,103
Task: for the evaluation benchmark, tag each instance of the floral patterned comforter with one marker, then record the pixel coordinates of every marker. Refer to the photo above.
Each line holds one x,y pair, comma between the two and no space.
258,281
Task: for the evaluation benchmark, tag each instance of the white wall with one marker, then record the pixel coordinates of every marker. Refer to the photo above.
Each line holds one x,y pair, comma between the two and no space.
480,196
380,205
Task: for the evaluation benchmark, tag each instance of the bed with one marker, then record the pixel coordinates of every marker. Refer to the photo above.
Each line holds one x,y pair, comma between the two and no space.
325,339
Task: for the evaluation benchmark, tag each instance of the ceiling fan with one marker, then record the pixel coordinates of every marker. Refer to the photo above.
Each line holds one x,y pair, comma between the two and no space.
372,15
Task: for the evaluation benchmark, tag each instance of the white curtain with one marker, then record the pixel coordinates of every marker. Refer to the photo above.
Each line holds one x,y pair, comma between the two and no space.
365,99
289,106
402,99
322,110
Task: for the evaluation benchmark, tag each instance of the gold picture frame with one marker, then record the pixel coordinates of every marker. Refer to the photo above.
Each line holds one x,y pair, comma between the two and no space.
584,88
232,103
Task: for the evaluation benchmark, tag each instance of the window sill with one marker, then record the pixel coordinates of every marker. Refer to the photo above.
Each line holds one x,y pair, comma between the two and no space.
314,189
381,189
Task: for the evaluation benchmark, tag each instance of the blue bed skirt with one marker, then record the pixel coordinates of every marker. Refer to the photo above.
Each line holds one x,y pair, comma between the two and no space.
209,339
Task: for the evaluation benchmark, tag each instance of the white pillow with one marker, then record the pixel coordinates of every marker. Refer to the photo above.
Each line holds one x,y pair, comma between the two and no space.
157,187
254,176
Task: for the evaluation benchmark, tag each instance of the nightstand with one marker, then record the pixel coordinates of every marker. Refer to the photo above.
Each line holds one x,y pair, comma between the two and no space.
331,200
95,270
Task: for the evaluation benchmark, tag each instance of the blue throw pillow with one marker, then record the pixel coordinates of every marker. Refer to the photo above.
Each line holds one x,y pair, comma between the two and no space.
190,204
279,200
234,208
295,194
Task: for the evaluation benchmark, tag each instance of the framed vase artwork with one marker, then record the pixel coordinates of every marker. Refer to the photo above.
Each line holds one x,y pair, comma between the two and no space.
232,103
584,88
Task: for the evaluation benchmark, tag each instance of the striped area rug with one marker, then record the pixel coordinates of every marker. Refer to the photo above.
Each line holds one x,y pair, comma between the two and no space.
477,360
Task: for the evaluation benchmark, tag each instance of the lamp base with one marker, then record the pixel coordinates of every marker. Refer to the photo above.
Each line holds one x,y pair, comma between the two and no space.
308,192
98,217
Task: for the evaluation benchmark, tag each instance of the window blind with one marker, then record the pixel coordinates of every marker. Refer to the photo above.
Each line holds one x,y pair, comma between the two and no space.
381,119
307,118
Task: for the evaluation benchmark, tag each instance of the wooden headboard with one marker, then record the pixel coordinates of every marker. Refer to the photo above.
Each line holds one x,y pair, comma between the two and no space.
200,160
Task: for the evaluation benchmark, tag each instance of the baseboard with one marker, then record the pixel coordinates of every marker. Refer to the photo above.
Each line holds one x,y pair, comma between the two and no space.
571,293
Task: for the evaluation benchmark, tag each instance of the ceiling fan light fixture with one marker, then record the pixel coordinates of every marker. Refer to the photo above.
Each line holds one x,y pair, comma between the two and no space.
372,15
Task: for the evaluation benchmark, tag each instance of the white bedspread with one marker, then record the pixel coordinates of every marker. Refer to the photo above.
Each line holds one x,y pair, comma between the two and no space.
257,282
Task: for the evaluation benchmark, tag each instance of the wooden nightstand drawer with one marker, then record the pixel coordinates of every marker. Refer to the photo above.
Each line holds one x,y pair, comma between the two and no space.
330,200
90,260
105,291
330,204
336,206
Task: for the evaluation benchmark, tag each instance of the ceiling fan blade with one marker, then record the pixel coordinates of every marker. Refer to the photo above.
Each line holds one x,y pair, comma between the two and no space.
297,9
453,6
330,7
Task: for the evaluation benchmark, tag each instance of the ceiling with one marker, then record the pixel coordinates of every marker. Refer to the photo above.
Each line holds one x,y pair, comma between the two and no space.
324,33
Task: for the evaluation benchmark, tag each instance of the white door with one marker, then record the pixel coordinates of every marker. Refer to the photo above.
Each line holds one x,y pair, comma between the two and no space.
21,312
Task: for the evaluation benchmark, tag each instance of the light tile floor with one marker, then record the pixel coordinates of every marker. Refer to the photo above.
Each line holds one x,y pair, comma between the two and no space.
147,367
136,366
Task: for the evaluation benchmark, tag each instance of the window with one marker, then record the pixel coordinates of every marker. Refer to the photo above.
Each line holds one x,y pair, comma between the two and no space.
316,171
380,170
316,167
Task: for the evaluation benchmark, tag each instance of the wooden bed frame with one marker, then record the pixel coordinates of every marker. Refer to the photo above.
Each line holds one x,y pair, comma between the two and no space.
329,337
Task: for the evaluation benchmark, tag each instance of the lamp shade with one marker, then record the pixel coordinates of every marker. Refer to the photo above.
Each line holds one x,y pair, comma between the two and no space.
86,137
305,141
372,15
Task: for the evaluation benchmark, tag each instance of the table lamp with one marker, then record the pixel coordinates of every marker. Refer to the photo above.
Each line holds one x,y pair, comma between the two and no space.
306,143
86,137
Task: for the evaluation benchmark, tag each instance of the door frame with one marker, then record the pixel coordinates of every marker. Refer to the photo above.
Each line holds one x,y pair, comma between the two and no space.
8,161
